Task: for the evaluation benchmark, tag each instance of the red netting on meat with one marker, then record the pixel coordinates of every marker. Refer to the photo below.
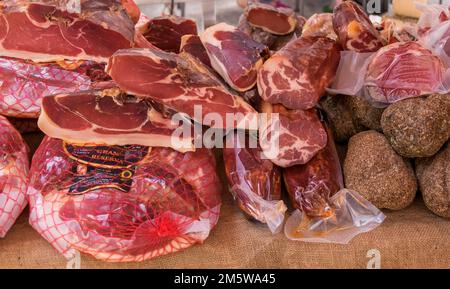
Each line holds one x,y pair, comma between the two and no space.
13,175
121,204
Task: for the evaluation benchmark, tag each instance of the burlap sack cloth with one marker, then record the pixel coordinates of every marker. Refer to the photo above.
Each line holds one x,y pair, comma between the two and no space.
411,238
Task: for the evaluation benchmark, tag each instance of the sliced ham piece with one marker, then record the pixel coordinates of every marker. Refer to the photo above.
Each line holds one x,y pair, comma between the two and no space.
122,203
298,74
193,45
165,32
100,117
14,167
234,55
291,137
403,70
51,30
180,84
354,28
278,21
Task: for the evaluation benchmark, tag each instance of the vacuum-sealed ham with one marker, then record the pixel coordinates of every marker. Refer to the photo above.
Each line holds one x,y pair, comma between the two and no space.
122,203
14,166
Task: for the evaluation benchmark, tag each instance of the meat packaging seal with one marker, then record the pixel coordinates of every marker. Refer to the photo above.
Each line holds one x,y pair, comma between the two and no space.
254,182
397,71
122,203
326,211
14,167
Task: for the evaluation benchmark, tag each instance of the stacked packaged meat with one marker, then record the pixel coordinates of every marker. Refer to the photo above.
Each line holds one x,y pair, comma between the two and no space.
127,104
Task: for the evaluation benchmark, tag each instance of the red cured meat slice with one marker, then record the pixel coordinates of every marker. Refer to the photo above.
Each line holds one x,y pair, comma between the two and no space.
54,30
297,75
354,28
122,203
14,167
100,117
291,137
278,21
165,32
254,182
193,45
180,84
234,55
403,70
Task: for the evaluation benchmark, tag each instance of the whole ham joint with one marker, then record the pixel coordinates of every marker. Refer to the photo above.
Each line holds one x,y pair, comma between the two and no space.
51,30
278,21
297,75
165,32
107,118
319,24
255,182
291,137
403,70
14,167
180,83
122,203
234,55
192,44
354,28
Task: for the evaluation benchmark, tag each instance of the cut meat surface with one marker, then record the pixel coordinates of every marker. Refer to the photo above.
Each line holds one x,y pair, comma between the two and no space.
297,75
234,55
278,21
52,30
122,203
403,70
100,117
181,84
14,167
354,28
193,45
165,32
291,137
23,84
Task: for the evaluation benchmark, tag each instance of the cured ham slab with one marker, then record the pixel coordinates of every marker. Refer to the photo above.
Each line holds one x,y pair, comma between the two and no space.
165,32
319,24
14,167
193,45
50,30
278,21
291,137
122,203
180,84
100,117
297,75
354,28
234,55
403,70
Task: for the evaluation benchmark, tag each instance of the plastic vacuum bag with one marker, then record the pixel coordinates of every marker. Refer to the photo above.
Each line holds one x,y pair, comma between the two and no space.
326,212
122,203
14,167
255,182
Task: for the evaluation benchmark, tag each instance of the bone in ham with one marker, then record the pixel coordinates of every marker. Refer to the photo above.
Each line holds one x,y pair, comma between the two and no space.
122,203
178,83
403,70
193,45
51,30
165,32
234,55
354,28
105,117
297,75
14,167
291,137
319,24
278,21
24,83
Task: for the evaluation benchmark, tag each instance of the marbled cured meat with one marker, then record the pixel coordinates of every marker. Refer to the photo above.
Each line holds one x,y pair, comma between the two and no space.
278,21
193,45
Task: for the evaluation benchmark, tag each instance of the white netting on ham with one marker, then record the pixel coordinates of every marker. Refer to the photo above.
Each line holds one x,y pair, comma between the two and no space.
122,204
13,175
